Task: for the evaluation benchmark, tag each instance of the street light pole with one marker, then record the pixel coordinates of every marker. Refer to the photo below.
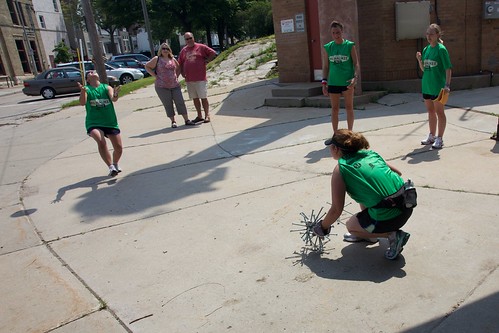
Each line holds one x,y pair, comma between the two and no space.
148,27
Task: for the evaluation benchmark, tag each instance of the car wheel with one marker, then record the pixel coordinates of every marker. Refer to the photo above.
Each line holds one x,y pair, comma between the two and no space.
126,78
48,93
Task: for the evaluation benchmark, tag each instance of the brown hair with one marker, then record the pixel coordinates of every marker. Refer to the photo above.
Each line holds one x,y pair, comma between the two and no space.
336,24
438,30
170,54
349,141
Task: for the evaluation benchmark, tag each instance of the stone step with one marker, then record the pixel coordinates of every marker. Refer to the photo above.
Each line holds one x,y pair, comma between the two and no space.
298,90
321,101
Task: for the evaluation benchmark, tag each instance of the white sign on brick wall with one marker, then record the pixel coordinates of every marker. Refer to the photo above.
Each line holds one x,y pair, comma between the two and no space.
287,26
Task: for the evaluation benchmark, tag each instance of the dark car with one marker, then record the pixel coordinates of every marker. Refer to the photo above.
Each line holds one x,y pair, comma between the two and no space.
57,81
129,63
137,56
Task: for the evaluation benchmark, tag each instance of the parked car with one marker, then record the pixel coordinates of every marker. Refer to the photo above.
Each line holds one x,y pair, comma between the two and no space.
129,63
137,56
57,81
125,75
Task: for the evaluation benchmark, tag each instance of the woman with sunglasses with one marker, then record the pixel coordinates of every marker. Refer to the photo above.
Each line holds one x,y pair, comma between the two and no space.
368,179
165,68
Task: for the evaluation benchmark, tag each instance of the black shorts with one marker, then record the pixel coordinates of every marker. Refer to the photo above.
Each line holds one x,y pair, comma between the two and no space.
378,227
426,96
106,130
336,89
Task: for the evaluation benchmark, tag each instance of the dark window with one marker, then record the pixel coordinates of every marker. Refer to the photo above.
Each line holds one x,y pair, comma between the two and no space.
36,55
23,56
42,22
2,68
13,12
56,7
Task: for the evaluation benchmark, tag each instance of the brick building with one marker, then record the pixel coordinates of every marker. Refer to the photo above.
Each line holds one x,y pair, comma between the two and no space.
21,47
382,32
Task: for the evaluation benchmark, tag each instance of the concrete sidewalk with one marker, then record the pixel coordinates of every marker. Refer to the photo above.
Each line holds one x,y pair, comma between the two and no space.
194,234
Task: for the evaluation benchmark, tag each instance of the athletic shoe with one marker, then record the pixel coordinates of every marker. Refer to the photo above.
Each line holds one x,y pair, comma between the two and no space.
429,140
348,237
117,167
174,125
112,171
439,143
397,244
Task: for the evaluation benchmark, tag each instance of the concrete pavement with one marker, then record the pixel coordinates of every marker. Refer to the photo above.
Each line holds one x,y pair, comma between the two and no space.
194,234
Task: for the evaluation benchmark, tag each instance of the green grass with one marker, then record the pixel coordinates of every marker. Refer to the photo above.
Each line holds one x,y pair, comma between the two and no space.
125,89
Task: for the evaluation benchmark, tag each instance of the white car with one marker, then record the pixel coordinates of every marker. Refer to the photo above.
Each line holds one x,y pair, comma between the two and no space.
125,75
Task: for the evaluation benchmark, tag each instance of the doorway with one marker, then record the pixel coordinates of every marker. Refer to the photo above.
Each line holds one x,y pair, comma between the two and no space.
314,39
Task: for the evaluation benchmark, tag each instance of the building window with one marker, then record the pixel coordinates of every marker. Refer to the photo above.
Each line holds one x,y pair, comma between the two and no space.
13,12
56,7
42,22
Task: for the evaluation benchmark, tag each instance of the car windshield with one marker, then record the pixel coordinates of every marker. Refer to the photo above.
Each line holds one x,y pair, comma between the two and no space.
109,67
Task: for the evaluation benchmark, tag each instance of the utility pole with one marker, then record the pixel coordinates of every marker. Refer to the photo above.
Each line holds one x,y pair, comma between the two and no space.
98,57
148,27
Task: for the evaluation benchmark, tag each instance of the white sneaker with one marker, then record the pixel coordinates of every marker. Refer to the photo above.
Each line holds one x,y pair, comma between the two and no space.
348,237
117,167
438,144
429,140
112,171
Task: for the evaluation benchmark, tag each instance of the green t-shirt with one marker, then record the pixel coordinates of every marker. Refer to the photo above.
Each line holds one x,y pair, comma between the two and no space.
341,69
100,109
436,61
368,179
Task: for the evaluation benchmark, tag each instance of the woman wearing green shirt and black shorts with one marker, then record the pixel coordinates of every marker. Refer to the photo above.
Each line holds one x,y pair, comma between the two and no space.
340,72
436,66
368,180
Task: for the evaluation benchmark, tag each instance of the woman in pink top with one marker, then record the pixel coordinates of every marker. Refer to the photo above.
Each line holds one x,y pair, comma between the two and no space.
166,70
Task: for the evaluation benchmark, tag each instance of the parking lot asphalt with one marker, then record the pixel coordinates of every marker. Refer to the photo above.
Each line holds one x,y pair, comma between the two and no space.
196,234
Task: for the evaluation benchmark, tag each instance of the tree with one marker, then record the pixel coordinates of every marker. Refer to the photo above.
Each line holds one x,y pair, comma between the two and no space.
111,15
63,53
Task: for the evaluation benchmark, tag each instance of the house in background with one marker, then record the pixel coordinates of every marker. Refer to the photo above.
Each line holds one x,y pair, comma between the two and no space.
22,53
388,34
50,19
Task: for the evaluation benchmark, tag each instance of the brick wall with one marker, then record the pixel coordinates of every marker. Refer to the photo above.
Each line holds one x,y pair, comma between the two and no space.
292,48
472,41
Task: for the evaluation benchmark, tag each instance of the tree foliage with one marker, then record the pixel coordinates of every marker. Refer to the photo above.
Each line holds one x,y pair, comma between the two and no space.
63,53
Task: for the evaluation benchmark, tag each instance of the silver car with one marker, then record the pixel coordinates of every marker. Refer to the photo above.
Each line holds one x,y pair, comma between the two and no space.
125,75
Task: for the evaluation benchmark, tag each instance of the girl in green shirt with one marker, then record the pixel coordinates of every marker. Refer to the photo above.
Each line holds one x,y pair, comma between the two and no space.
340,72
100,120
436,66
367,179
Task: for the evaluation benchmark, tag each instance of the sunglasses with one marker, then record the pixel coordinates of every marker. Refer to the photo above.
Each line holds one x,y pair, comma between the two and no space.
165,49
188,38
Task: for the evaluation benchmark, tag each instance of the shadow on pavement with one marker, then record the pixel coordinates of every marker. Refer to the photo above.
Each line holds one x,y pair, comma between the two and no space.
359,262
479,316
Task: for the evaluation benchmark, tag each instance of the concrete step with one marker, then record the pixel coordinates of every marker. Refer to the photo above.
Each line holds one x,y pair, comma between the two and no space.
321,101
298,90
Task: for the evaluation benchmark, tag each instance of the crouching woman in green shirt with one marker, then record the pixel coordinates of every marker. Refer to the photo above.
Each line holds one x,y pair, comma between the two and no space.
368,179
101,121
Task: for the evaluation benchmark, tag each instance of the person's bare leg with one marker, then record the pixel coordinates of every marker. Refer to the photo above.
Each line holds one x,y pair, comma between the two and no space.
117,147
348,97
432,116
206,108
335,110
104,153
197,105
354,227
441,119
